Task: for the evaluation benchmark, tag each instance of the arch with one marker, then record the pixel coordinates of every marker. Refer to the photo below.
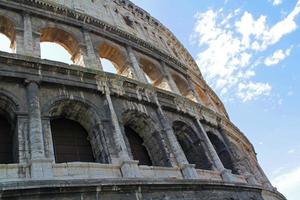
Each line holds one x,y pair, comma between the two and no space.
191,145
183,85
70,141
64,39
86,115
142,125
8,145
152,70
7,28
115,55
222,151
138,150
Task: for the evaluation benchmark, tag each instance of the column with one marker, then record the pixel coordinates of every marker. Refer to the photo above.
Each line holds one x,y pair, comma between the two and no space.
138,72
90,57
40,167
129,167
193,90
169,77
28,39
188,170
226,174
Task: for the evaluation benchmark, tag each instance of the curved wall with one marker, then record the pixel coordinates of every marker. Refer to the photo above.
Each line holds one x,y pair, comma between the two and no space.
172,111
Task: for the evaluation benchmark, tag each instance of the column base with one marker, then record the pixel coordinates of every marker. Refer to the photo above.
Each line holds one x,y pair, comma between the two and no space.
130,169
189,171
227,175
41,169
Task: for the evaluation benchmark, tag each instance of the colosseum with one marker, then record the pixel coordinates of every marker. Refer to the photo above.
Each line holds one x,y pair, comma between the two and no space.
153,131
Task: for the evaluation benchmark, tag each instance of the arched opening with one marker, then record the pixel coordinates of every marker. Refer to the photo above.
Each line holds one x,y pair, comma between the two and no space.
6,141
70,141
114,60
108,66
7,35
76,115
191,145
64,40
56,52
138,150
144,139
222,152
153,73
183,86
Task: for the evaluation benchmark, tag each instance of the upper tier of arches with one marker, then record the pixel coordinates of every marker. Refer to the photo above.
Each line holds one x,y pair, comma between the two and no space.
86,48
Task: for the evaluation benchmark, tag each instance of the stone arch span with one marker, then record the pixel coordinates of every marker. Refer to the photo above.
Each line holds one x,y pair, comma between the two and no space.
150,133
64,39
8,122
86,115
191,145
7,27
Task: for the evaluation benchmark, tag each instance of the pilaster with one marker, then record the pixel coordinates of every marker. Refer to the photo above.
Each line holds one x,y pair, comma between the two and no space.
188,170
40,166
226,174
169,77
90,57
138,72
129,168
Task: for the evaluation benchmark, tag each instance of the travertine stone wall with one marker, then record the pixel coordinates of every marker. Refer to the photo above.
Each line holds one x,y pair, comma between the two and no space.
175,102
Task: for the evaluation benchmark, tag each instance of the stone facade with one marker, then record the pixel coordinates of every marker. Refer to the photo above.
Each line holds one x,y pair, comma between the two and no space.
194,149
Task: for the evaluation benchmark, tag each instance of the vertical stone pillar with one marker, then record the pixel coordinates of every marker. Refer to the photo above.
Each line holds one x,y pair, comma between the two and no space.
138,72
19,42
193,90
188,170
48,142
226,174
90,57
28,39
169,77
40,167
129,168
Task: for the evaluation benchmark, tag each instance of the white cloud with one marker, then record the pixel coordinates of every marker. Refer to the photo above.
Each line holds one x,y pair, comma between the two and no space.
289,184
291,151
277,2
231,44
250,91
277,56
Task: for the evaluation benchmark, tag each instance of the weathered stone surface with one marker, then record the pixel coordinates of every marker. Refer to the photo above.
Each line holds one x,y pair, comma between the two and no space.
194,149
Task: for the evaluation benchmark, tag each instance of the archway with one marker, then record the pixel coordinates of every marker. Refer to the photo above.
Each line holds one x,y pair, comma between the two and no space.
222,152
85,118
112,56
138,150
7,35
146,134
6,141
191,145
153,73
65,40
70,141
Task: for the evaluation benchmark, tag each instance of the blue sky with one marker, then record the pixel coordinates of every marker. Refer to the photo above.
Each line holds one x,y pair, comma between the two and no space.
248,53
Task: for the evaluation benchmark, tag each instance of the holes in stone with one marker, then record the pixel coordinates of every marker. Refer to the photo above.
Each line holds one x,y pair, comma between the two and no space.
70,141
138,150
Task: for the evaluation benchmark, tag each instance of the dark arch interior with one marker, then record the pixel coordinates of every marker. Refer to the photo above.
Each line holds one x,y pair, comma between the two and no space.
191,146
138,150
70,141
222,152
6,141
